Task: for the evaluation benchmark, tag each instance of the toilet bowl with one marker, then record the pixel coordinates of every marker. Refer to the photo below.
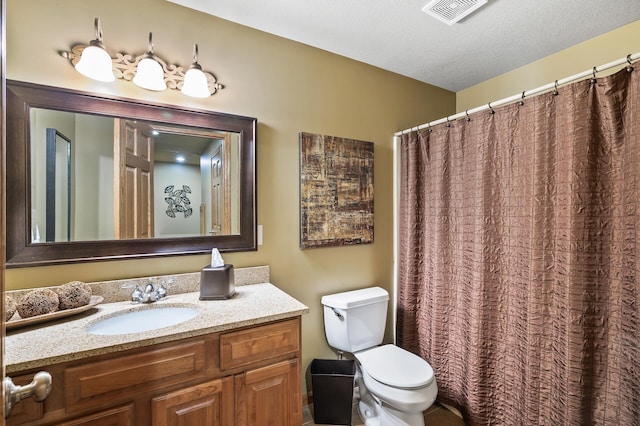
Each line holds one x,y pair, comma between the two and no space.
400,384
395,385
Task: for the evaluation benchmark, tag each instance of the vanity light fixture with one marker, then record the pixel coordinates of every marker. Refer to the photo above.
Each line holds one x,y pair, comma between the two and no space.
95,61
146,70
195,81
149,73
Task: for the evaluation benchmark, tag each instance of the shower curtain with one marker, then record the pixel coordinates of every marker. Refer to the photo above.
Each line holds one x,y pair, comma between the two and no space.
518,264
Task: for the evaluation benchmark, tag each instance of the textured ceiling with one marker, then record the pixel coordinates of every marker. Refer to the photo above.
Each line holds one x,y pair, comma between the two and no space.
397,36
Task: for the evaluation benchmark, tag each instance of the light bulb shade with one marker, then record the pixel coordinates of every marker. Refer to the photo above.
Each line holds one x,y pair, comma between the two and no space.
96,64
195,84
149,74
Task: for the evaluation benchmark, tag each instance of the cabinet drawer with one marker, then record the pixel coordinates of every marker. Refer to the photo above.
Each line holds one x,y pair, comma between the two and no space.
259,343
115,380
121,416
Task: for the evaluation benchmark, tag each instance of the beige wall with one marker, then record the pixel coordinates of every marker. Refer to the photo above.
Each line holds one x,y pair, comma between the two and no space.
598,51
287,86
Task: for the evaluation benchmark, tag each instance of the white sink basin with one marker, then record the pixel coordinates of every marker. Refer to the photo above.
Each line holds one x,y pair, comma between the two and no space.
143,320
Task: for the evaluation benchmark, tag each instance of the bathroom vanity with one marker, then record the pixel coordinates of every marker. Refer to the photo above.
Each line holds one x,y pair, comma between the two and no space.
236,363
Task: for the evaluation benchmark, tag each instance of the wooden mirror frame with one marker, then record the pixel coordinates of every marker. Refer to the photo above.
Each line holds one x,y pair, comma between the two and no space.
21,97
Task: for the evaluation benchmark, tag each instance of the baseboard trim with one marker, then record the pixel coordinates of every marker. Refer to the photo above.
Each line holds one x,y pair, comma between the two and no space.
307,399
452,409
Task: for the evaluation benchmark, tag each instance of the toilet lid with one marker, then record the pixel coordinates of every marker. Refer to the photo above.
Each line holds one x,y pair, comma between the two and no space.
396,367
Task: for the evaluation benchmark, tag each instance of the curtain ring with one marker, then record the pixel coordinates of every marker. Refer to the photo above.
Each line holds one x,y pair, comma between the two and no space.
467,113
594,80
522,99
555,88
429,129
490,108
629,67
448,122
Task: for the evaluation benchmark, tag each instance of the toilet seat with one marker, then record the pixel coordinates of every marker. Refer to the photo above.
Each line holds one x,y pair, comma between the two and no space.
395,367
405,400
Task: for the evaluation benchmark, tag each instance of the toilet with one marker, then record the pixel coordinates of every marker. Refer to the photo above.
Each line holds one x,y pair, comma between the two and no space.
395,385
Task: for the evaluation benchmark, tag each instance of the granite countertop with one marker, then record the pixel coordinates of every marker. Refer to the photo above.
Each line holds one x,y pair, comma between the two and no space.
67,339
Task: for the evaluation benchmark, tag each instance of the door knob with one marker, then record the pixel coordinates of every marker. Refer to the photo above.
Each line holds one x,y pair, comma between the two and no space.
39,389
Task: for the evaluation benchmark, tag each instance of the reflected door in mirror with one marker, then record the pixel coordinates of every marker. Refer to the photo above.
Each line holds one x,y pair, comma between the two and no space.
133,179
58,190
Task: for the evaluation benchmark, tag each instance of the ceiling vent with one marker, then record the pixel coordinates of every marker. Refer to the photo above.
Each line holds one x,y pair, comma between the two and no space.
451,11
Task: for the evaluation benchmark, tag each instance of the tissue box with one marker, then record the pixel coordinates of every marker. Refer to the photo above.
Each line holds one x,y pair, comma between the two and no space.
217,283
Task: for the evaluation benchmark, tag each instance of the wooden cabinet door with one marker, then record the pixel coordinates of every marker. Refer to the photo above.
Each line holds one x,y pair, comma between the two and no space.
209,403
270,395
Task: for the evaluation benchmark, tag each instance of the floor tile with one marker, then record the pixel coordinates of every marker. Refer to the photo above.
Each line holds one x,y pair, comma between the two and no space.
436,415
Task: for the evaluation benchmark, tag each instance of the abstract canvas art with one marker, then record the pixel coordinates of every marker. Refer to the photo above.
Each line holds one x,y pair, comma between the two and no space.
336,191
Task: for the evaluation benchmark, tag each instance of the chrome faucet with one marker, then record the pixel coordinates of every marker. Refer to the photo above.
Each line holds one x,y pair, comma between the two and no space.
149,294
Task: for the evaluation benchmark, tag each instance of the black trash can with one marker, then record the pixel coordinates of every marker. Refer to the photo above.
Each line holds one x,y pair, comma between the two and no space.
332,384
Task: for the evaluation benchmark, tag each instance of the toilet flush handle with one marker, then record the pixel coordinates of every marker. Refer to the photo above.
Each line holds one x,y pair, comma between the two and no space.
338,314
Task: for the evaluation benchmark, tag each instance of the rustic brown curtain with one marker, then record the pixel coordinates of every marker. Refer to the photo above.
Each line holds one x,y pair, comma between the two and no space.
518,257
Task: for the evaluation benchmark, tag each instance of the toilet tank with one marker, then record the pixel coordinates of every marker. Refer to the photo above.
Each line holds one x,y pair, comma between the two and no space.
355,320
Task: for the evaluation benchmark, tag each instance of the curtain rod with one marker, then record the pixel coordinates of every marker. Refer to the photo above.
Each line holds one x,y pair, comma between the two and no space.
589,73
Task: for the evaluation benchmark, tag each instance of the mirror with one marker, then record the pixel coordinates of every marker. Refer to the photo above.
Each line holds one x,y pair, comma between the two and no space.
93,177
191,175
